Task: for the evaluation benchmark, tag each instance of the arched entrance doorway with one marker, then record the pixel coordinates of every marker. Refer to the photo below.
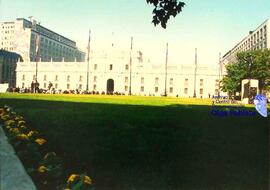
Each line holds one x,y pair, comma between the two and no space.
110,86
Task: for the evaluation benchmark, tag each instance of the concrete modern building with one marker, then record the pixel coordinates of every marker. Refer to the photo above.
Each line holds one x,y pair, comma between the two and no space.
110,71
21,36
8,62
256,40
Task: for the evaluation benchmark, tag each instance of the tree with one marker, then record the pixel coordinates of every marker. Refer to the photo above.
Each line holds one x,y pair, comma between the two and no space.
236,72
164,9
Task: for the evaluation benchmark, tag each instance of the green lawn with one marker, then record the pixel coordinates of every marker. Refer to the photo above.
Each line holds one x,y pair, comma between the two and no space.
134,143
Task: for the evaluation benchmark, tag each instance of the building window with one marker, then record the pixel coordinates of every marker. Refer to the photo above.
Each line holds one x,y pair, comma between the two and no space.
171,81
68,78
45,77
56,77
201,90
23,77
95,67
156,89
23,85
80,86
126,88
45,85
68,86
171,89
142,88
95,87
95,78
217,82
126,79
111,67
216,92
186,90
80,79
142,80
56,85
186,82
156,81
201,82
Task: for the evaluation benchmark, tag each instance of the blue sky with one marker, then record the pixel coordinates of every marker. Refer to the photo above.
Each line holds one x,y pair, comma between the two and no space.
212,26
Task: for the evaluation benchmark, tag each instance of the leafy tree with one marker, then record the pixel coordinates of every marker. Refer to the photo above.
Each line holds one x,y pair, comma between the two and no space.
164,9
239,70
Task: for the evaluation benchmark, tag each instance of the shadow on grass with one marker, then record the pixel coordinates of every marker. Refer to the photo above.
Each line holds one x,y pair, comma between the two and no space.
152,147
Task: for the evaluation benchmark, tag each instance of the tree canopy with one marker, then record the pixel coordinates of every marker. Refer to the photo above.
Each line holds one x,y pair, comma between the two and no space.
164,9
236,72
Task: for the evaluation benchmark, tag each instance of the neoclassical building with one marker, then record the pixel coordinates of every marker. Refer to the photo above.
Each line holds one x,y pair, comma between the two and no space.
110,71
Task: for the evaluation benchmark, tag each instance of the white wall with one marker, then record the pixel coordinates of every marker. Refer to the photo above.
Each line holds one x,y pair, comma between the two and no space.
149,71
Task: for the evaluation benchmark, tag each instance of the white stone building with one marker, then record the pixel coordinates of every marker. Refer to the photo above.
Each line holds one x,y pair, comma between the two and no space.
20,36
255,40
111,72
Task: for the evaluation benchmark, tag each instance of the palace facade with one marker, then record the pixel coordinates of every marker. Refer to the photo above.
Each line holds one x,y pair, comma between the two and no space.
112,72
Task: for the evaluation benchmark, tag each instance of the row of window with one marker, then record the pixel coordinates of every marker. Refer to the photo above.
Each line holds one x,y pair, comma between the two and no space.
257,40
126,80
56,78
45,86
8,31
8,26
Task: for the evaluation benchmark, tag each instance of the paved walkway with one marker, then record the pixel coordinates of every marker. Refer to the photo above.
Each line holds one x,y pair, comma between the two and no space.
12,173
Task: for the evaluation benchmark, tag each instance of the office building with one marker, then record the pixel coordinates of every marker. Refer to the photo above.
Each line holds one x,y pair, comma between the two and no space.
257,39
22,36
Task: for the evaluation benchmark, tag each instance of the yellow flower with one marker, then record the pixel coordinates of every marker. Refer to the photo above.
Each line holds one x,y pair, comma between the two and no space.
4,117
18,118
14,130
87,180
8,127
21,122
22,136
40,141
10,122
23,127
42,169
30,133
72,177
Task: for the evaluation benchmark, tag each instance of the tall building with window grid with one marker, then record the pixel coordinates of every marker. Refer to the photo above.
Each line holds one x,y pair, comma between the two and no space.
20,36
257,39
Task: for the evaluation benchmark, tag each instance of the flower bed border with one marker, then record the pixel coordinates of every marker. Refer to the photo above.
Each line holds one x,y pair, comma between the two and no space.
43,165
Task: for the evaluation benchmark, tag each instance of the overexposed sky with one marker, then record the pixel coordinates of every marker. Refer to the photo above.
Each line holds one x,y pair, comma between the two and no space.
210,26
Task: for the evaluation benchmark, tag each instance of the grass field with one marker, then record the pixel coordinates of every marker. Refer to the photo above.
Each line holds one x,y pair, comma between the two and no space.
134,143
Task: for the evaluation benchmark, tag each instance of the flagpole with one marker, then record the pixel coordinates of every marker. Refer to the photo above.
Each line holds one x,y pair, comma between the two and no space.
88,58
166,63
130,63
219,74
36,72
37,50
195,73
